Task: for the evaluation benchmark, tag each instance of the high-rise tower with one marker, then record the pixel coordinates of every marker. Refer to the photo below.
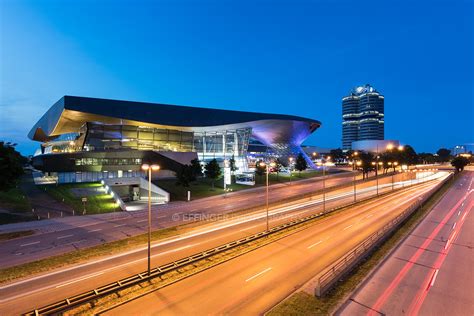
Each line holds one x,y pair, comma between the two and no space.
362,116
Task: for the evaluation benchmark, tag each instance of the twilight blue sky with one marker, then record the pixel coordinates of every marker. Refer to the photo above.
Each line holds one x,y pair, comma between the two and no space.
292,57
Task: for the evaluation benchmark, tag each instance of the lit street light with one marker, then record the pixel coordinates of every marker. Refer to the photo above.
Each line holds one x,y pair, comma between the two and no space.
272,164
290,166
149,168
324,182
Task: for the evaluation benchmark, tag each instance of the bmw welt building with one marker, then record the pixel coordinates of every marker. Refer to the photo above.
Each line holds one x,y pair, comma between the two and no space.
88,139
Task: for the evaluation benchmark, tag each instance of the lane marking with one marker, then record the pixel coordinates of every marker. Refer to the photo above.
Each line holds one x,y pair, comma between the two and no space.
347,227
258,274
459,213
95,230
80,279
30,243
120,225
315,244
454,225
414,258
142,220
87,276
462,218
433,278
369,216
65,236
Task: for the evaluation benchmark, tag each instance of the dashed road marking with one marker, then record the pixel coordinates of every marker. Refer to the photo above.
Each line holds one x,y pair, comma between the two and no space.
315,244
80,279
258,274
30,243
65,236
347,227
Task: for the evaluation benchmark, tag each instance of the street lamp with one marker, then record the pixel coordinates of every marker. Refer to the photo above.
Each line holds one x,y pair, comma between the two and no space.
291,162
272,164
324,183
149,168
358,163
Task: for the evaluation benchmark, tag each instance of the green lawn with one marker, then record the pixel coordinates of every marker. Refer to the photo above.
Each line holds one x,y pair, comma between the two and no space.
96,204
14,200
203,187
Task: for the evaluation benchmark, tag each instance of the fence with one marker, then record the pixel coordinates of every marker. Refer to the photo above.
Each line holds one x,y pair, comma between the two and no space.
342,266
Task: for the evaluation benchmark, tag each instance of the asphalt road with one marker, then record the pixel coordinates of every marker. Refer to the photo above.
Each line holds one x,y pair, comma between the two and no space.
68,234
253,283
432,271
26,294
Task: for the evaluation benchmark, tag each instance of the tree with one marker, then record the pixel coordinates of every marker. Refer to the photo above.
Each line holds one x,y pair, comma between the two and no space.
196,168
232,166
277,168
408,156
337,155
366,159
185,175
212,171
300,163
444,154
459,163
426,158
11,165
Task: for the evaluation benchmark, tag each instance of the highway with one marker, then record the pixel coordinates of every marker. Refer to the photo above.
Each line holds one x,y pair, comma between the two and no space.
61,235
47,288
69,234
431,272
254,282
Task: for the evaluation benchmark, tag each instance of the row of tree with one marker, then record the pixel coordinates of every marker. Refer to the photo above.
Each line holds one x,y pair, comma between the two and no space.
11,165
277,166
189,173
407,156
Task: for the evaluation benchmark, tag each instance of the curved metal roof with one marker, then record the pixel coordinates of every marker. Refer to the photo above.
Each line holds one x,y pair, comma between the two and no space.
71,112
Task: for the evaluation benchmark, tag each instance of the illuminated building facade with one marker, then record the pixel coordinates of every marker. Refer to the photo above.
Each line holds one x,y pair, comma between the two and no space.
88,139
362,116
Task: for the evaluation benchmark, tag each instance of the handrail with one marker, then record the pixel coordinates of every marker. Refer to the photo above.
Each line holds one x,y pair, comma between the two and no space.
337,269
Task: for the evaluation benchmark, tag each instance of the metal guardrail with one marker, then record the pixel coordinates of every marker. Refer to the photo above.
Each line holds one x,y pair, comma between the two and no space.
344,265
70,302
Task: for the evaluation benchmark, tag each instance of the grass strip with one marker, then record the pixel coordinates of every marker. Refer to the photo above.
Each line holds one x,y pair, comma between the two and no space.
14,200
82,255
302,303
96,203
13,235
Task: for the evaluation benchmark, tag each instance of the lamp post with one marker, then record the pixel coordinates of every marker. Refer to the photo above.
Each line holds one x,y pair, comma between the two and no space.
358,164
394,164
376,174
324,183
390,164
272,164
149,168
291,162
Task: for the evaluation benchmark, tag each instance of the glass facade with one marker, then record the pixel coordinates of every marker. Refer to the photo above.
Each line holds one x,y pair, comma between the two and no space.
362,116
94,176
220,145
